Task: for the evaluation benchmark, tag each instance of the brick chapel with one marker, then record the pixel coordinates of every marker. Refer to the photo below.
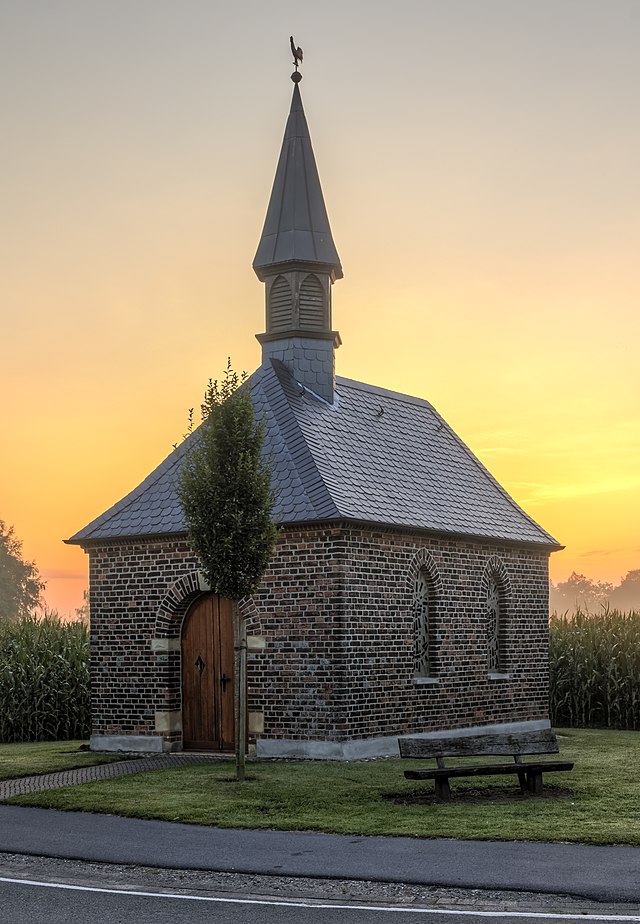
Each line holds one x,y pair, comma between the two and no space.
408,592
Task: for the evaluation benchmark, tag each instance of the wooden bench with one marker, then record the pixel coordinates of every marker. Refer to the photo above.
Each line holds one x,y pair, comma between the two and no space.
514,745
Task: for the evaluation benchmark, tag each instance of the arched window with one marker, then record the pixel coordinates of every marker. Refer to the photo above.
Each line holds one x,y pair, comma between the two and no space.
495,617
496,590
424,625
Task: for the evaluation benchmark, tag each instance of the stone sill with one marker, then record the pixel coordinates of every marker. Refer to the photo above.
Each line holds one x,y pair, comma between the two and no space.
426,681
496,675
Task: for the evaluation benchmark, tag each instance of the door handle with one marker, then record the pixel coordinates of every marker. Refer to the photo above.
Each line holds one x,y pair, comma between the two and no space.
223,682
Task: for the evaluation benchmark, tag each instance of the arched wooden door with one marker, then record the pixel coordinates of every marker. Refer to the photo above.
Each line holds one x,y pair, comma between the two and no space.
207,675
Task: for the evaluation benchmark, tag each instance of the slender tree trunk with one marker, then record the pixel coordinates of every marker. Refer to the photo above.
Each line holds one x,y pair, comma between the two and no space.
240,689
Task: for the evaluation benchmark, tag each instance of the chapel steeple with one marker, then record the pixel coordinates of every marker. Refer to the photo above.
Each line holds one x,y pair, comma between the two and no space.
298,262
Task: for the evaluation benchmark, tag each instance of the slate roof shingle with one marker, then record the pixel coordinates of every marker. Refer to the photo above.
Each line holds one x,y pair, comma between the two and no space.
373,456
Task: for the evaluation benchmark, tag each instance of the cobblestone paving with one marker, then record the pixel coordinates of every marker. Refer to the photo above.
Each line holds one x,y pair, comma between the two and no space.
26,784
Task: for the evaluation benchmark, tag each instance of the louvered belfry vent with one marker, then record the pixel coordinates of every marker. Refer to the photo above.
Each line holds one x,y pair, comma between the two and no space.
298,262
280,306
312,313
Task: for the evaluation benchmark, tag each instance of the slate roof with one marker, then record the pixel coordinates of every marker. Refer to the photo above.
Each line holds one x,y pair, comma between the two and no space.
296,227
374,456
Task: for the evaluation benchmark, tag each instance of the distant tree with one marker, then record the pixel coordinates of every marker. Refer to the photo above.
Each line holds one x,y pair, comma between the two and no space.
82,612
225,493
20,583
579,591
626,596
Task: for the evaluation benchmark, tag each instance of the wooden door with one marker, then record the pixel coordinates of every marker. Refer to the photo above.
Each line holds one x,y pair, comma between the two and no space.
207,675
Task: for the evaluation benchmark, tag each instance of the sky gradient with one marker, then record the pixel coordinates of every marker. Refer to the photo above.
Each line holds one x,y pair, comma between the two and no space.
479,160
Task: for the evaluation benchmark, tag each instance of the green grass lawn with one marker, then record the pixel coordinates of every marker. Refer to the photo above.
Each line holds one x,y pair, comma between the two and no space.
47,757
596,803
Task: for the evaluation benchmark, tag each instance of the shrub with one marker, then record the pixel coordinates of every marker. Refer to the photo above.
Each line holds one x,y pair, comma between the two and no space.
44,680
594,668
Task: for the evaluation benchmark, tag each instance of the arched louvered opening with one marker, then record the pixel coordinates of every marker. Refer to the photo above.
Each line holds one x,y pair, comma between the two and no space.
279,314
312,313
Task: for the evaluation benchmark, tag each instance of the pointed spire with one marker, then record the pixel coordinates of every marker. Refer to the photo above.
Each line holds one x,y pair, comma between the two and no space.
296,229
298,262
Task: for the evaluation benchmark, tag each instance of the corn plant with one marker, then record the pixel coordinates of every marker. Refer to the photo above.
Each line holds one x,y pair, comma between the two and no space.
44,680
594,667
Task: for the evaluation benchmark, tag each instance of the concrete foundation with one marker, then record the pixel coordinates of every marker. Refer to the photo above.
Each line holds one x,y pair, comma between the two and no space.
362,749
137,744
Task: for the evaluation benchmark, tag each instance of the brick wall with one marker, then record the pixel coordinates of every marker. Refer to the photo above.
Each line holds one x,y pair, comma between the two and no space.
335,611
129,682
384,698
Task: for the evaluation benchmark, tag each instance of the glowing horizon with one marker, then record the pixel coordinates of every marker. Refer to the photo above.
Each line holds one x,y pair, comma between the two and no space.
479,165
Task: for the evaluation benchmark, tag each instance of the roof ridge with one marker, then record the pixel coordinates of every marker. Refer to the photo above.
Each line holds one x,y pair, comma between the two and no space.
493,479
126,501
422,402
376,456
317,485
384,392
154,476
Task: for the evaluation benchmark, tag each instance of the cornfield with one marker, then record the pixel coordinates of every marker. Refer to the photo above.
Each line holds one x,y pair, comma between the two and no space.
595,670
44,680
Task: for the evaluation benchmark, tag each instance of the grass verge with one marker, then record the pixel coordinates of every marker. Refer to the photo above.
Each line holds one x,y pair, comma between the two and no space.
596,803
47,757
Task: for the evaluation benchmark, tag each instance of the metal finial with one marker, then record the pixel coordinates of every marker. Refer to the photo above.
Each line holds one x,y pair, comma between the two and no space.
297,59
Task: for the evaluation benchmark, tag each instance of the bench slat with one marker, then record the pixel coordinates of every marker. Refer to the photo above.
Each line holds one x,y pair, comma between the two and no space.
489,770
534,742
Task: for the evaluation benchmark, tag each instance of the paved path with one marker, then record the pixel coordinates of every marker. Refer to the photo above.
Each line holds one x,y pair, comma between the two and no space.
27,784
601,873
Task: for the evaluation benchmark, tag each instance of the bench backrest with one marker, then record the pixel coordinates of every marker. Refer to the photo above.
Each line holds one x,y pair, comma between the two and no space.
533,742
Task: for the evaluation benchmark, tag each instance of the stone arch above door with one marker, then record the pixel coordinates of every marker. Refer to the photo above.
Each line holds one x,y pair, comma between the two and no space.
177,601
179,598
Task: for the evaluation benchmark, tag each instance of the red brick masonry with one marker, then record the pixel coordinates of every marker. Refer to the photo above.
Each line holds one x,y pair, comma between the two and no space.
335,612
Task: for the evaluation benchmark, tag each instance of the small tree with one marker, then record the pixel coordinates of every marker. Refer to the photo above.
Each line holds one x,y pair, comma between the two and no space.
225,493
20,583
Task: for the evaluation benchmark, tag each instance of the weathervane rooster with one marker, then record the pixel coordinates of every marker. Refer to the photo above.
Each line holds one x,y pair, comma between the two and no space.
297,53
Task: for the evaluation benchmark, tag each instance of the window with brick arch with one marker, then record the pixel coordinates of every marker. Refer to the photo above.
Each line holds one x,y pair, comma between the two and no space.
495,617
424,625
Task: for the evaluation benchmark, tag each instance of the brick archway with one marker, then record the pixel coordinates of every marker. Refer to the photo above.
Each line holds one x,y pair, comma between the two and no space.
176,602
495,601
425,595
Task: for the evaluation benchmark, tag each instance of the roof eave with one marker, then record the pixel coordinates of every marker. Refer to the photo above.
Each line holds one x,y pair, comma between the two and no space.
267,269
93,541
551,545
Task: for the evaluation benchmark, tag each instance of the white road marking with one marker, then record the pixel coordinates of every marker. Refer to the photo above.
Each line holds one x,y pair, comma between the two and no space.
328,907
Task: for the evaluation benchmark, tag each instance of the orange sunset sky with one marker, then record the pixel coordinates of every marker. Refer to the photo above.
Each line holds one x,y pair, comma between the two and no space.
480,161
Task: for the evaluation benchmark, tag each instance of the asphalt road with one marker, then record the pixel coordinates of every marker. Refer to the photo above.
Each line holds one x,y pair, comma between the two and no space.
601,873
41,903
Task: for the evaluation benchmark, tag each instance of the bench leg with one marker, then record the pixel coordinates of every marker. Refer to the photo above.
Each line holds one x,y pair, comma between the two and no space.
443,790
534,781
522,779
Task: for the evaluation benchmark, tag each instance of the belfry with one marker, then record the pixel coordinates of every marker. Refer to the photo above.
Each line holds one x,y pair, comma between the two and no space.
298,263
407,593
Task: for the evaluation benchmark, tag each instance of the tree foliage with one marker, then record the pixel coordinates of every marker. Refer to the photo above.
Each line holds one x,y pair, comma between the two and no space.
626,596
225,490
20,583
579,592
